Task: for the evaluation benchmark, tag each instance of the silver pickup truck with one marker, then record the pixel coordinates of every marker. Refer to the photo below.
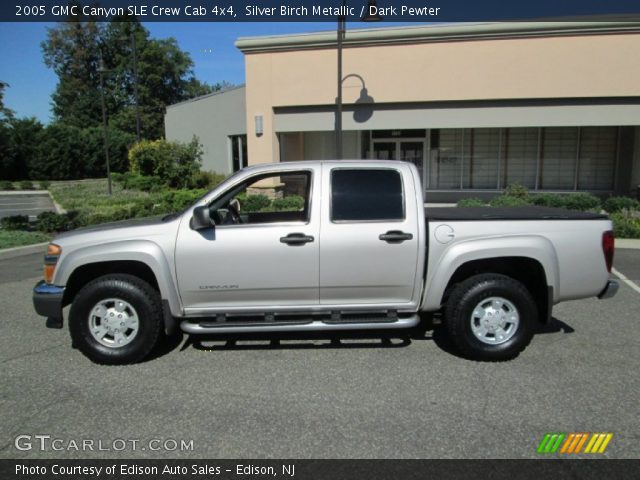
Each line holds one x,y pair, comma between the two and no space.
323,246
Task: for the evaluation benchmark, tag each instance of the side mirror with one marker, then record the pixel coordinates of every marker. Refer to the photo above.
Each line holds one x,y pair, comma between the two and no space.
201,218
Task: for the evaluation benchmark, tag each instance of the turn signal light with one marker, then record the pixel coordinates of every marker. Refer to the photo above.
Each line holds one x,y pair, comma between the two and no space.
54,249
50,261
49,270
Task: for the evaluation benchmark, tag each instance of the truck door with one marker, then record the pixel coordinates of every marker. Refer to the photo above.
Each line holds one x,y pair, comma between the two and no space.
263,250
369,237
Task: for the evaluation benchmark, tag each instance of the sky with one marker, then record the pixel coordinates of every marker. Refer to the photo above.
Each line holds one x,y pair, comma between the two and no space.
211,46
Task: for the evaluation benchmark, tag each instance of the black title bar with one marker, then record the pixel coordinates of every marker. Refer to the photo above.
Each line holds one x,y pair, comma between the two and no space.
317,469
312,11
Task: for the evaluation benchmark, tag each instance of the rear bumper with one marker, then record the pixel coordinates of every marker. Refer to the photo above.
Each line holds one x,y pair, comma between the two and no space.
610,290
47,300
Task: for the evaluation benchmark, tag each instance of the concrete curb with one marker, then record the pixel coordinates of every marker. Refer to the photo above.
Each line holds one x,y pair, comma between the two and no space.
56,205
632,243
21,251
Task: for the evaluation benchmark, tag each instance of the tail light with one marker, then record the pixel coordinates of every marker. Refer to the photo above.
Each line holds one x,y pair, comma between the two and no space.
50,261
608,247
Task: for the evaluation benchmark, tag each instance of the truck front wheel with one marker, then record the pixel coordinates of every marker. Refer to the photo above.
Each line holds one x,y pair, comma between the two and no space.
116,319
490,317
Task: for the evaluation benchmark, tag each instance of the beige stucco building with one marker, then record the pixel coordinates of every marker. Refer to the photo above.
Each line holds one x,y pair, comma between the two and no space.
554,106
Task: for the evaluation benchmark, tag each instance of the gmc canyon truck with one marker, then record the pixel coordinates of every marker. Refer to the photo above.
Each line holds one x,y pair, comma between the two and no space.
323,246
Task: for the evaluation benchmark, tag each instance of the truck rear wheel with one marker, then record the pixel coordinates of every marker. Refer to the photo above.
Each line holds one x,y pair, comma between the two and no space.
116,319
490,317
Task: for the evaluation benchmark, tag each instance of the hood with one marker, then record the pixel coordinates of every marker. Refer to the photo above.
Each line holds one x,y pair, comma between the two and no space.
124,229
133,222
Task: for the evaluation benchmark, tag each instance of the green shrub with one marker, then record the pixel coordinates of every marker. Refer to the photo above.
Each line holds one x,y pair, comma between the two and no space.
573,201
15,222
49,222
471,202
581,201
140,182
118,177
175,163
516,190
27,185
254,203
548,200
44,184
617,204
107,213
291,203
508,201
6,185
207,180
185,198
626,224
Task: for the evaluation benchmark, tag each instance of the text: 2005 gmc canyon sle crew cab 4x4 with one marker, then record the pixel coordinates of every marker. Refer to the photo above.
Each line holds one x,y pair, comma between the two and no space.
314,246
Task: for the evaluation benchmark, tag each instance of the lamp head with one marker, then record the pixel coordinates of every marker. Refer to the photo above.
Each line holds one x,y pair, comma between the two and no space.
372,15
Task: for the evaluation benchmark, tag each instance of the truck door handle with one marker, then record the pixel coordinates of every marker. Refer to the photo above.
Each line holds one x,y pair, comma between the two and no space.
296,239
395,236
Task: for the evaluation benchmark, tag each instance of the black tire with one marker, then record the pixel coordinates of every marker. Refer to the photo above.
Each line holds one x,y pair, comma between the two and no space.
467,295
140,295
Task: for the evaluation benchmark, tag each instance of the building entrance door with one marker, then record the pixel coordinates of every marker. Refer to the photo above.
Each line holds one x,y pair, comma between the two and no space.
406,150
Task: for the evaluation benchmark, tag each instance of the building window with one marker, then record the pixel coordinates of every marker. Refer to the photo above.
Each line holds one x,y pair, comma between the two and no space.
558,158
548,158
482,168
521,154
366,195
238,152
598,149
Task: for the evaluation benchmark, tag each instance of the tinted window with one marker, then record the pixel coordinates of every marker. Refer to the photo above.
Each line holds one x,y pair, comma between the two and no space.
366,195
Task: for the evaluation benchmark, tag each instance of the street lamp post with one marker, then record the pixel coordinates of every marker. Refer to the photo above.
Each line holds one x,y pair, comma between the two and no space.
342,30
105,129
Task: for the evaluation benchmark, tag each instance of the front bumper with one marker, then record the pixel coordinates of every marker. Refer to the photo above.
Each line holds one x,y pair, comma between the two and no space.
47,300
610,290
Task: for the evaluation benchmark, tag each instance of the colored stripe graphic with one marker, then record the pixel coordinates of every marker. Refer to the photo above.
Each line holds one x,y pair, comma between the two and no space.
550,442
573,443
598,442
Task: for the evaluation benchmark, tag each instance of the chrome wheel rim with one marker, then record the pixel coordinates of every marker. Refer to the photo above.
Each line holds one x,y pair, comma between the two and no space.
113,322
494,320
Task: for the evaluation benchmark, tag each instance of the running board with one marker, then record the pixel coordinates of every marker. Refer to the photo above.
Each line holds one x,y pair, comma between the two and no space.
307,326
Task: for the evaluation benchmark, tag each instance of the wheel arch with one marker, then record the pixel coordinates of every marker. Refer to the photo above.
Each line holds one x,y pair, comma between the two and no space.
530,260
525,270
143,259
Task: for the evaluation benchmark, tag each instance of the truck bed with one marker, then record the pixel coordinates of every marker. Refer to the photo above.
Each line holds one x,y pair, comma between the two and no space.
475,214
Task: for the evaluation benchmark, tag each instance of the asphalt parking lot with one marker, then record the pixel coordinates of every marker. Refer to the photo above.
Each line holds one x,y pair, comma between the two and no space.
20,203
314,397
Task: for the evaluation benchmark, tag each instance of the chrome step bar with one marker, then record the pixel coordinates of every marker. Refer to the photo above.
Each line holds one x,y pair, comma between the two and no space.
308,326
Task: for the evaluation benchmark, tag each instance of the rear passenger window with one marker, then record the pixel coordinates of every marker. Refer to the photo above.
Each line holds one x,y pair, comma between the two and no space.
366,195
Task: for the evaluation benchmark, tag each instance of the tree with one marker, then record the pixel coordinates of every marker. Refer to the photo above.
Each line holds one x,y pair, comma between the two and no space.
164,74
72,51
5,113
24,137
68,152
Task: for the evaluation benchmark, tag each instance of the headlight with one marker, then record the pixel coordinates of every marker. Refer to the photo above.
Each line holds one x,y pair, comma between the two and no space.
50,261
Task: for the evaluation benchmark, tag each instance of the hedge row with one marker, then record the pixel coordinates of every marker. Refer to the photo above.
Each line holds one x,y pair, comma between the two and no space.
262,203
572,201
623,211
154,183
24,185
161,204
